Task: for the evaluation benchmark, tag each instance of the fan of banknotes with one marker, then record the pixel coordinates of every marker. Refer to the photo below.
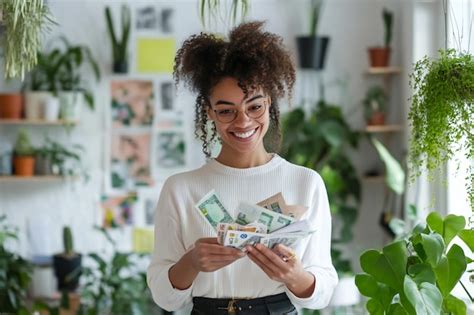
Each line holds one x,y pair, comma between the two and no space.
269,222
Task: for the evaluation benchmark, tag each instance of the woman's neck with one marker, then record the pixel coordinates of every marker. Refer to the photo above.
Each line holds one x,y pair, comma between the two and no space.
243,160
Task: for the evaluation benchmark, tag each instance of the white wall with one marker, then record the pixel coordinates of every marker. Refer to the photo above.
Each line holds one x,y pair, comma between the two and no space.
353,25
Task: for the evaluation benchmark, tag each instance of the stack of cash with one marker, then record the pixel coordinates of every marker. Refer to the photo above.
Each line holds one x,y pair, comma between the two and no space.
270,222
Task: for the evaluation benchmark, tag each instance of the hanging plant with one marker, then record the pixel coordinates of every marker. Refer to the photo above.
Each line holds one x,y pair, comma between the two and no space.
23,22
442,113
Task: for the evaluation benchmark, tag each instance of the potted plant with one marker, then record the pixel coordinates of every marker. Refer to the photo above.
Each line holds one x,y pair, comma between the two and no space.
43,161
6,159
442,113
417,274
312,49
375,103
11,106
16,273
115,285
119,46
67,265
23,160
23,24
319,141
380,56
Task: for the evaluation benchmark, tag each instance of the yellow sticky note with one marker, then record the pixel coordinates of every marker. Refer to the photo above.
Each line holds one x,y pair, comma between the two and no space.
142,241
155,55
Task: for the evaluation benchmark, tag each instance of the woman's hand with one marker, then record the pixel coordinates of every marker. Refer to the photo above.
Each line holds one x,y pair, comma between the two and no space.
208,255
282,265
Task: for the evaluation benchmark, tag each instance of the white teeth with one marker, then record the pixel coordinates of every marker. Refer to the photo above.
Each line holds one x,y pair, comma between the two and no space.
245,134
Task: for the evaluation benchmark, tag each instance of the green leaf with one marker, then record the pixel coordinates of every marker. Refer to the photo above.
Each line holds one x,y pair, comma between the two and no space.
333,133
425,298
395,176
396,309
448,228
468,238
450,269
454,306
367,285
387,267
374,307
433,246
422,273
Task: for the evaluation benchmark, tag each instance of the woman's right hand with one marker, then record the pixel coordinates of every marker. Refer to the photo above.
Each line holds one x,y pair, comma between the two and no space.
208,255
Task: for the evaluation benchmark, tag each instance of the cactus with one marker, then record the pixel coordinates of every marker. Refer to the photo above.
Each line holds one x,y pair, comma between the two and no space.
388,21
119,48
67,241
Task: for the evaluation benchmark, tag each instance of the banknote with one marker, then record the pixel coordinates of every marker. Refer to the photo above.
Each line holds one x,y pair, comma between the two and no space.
249,213
212,209
278,204
287,239
240,239
223,228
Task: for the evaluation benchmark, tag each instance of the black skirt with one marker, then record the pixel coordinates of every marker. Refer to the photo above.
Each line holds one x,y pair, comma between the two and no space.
271,305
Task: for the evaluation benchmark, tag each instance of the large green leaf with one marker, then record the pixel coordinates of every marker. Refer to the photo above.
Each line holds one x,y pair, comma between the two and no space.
454,306
374,307
395,176
388,266
422,273
448,228
369,287
425,298
468,237
429,247
333,133
396,309
451,269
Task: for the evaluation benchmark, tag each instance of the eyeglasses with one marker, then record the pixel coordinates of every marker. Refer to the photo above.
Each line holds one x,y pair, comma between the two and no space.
228,115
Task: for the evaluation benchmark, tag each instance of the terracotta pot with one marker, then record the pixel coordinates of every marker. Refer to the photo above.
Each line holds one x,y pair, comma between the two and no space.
11,106
377,119
24,165
379,57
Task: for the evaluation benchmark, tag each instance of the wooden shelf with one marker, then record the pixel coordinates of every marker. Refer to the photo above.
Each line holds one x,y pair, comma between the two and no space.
383,128
384,70
37,122
376,178
35,178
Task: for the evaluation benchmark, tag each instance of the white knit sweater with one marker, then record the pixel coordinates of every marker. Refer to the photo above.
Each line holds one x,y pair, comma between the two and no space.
178,225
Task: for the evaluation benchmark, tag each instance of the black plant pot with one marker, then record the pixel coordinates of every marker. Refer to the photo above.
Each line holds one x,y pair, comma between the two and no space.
43,165
312,51
68,271
120,66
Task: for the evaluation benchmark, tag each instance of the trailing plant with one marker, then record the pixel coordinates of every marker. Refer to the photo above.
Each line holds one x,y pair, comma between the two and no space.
23,145
388,25
23,22
15,273
416,275
442,113
210,11
119,46
319,141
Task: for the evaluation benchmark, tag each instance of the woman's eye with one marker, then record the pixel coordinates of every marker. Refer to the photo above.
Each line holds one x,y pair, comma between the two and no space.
255,108
224,112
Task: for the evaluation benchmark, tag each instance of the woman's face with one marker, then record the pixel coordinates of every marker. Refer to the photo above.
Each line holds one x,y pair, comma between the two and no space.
245,133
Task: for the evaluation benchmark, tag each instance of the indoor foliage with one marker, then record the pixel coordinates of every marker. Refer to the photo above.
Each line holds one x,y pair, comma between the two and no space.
442,113
416,275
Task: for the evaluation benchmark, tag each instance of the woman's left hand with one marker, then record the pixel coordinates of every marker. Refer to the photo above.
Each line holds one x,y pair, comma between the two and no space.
282,265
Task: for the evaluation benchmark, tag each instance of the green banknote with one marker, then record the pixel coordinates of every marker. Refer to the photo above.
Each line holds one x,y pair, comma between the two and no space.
248,213
212,209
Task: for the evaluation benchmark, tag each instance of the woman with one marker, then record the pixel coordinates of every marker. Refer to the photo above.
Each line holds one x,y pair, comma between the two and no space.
238,82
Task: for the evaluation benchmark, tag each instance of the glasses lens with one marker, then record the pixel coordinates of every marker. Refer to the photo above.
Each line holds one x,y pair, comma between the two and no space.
256,111
226,115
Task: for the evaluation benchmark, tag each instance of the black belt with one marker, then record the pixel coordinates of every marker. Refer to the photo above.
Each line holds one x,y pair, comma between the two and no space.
235,306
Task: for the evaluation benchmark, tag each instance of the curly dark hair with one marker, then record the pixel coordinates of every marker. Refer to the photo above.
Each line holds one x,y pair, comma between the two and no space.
256,59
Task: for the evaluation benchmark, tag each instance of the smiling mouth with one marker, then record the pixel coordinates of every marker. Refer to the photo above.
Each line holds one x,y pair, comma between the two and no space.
244,135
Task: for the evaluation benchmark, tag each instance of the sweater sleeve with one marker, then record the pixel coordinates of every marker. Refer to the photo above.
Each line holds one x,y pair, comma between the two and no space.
316,258
168,249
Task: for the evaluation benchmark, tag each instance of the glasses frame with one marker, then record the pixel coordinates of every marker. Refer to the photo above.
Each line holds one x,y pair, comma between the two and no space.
245,111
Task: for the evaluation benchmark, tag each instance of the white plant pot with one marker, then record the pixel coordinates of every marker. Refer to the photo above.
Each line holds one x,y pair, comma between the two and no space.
43,284
346,293
70,105
51,109
35,102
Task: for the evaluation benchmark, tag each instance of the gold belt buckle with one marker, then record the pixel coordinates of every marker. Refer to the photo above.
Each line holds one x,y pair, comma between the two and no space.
231,307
